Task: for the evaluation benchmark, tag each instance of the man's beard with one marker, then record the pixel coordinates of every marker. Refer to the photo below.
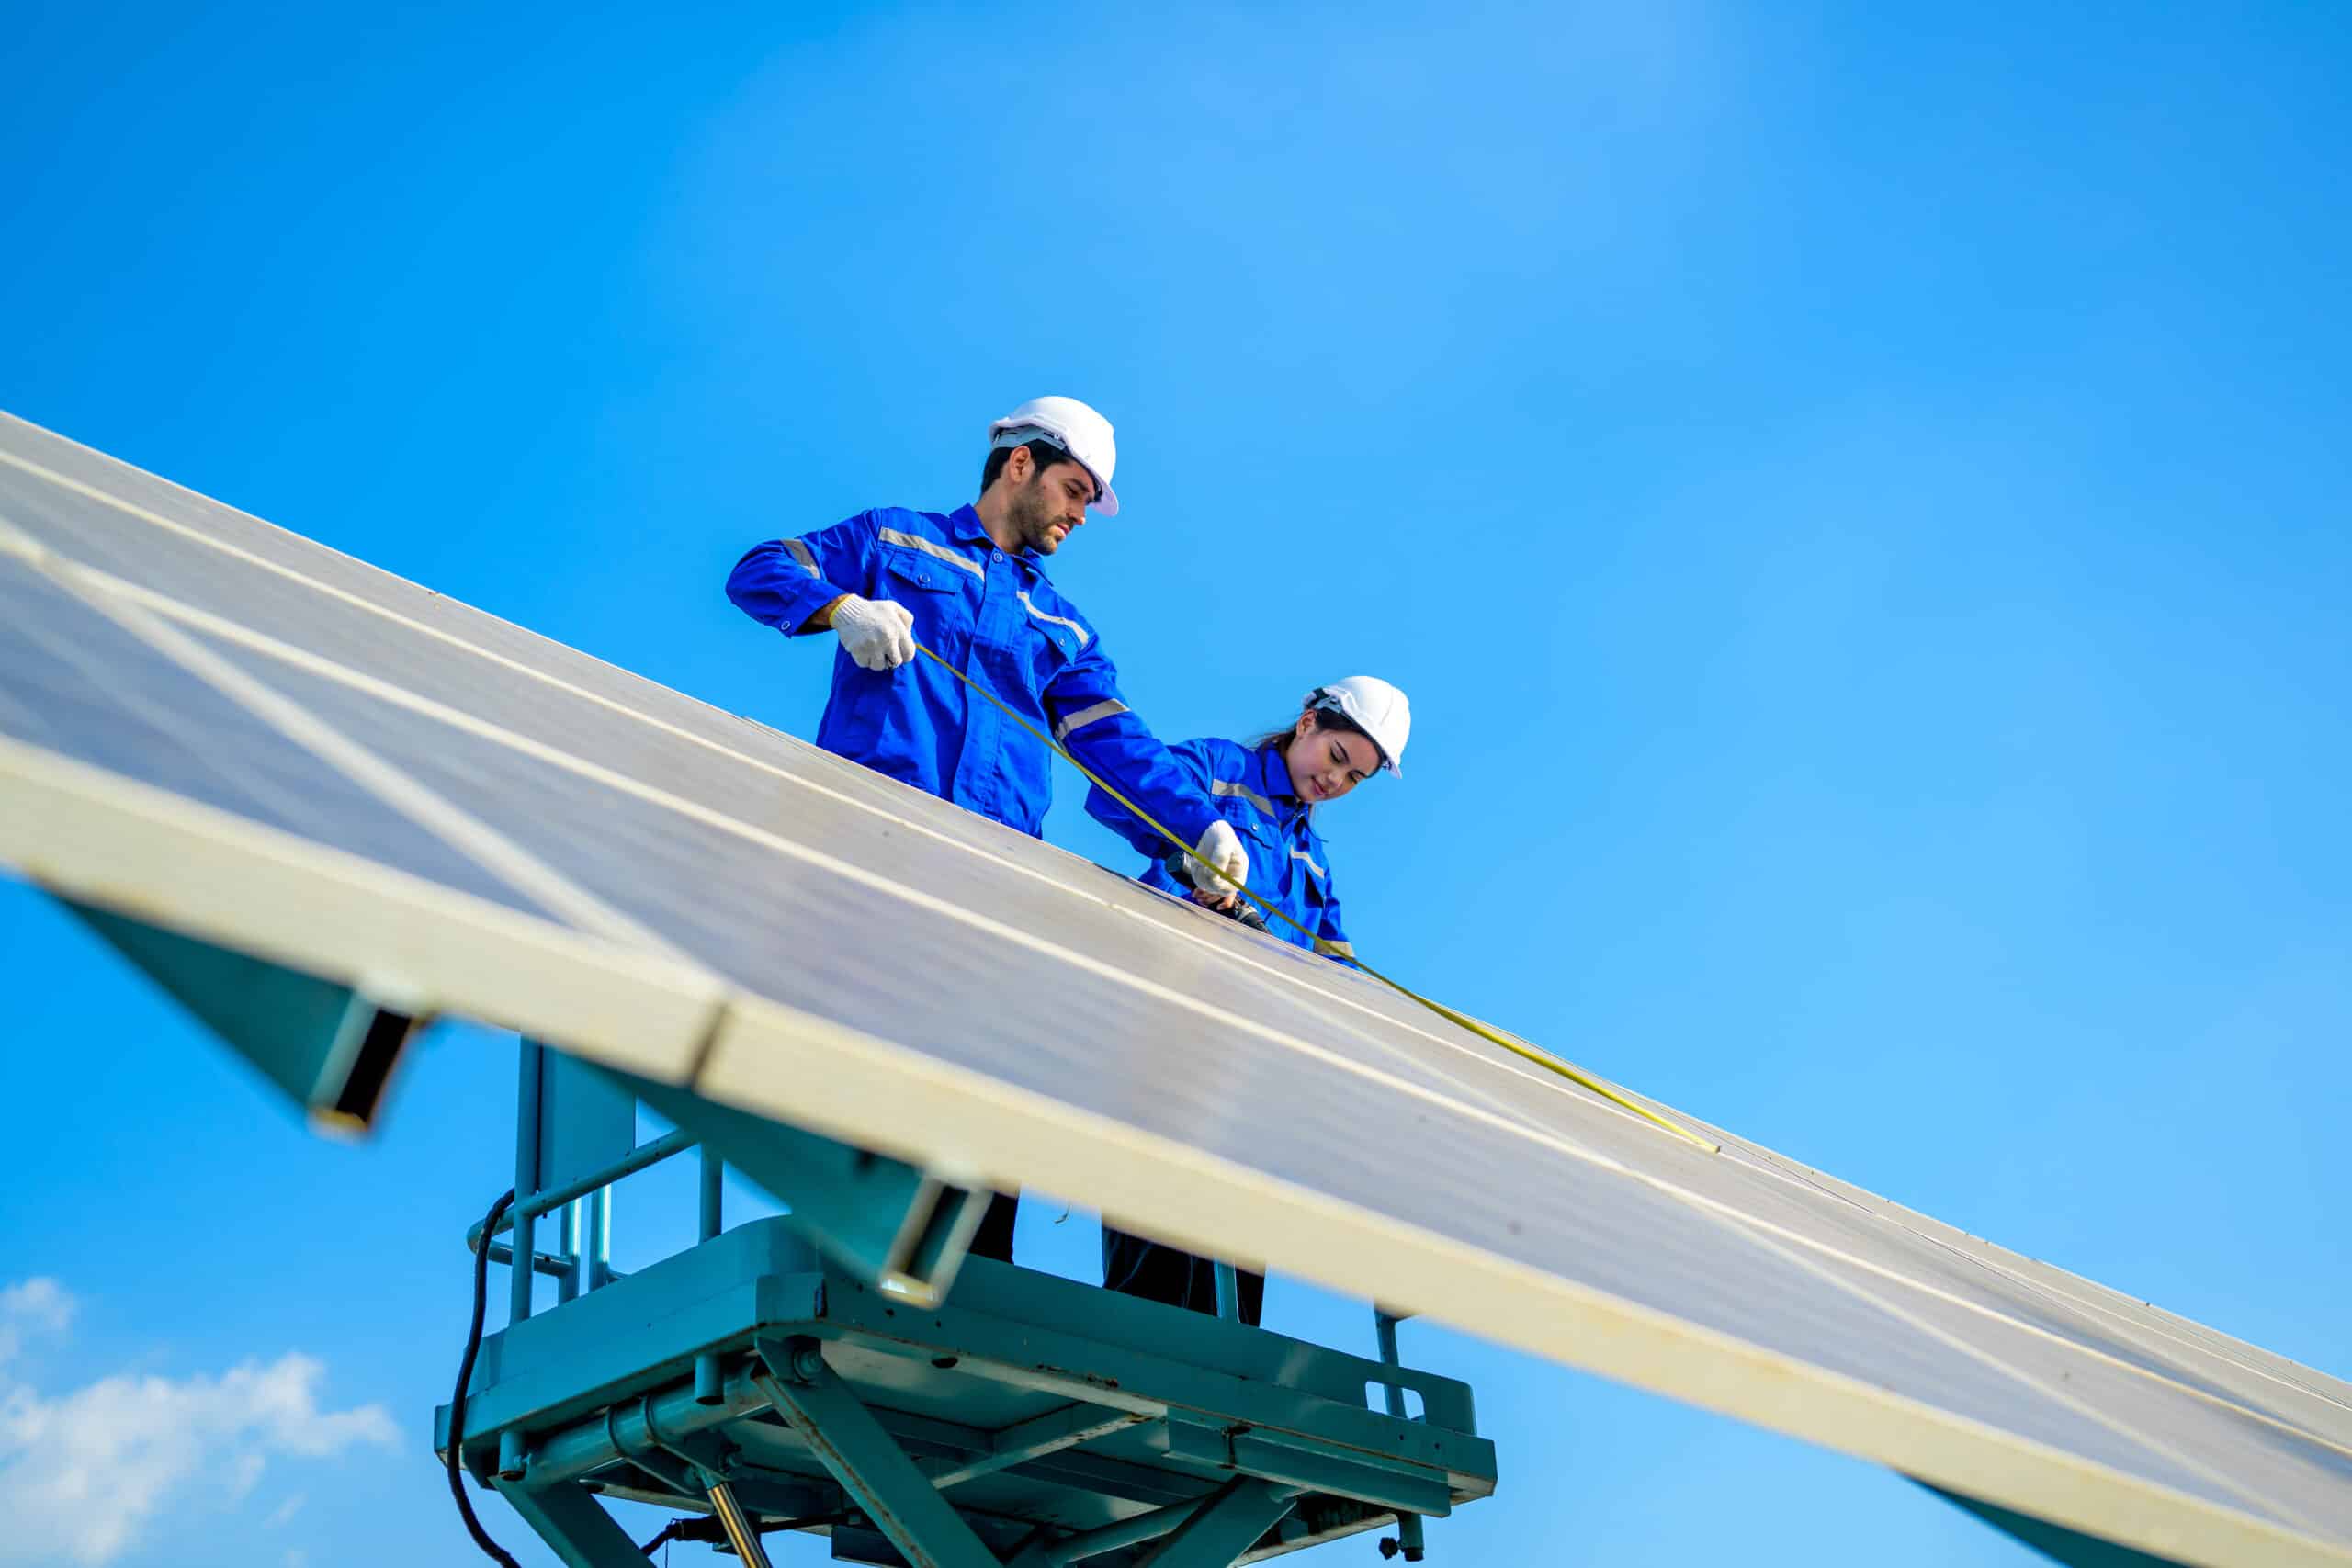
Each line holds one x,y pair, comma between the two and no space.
1031,517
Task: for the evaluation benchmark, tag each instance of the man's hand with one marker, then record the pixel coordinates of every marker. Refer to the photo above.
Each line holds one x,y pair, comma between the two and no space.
879,635
1221,847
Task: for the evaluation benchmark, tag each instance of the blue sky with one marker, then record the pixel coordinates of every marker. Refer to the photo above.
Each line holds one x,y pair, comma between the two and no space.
1856,495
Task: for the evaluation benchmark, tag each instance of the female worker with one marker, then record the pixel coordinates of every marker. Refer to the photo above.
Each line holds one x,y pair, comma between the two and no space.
1268,788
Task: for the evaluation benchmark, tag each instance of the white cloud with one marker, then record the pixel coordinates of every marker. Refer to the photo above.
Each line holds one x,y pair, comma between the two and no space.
297,1558
83,1473
36,1305
284,1511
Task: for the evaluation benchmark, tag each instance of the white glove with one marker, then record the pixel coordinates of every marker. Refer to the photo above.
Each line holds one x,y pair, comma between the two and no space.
879,633
1221,847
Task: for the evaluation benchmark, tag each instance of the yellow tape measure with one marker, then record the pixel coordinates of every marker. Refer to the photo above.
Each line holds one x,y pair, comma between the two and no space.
1491,1036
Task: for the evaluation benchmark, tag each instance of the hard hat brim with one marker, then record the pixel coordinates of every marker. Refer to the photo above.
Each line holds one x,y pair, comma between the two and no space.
1345,702
1019,433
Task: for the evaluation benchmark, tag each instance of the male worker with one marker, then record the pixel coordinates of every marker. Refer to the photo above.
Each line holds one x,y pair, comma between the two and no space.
970,585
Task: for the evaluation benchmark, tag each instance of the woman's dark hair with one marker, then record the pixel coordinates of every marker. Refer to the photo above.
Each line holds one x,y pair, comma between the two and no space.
1325,718
1042,452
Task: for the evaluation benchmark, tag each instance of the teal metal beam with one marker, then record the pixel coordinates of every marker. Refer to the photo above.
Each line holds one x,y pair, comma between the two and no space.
712,1184
1150,1486
1224,1527
1040,1436
851,1444
1317,1466
519,1281
1140,1527
645,1154
326,1045
1130,1531
555,1265
2054,1541
1229,1292
575,1449
1410,1539
569,1518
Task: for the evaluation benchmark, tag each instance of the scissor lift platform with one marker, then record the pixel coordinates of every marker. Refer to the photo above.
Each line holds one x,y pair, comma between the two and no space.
1027,1420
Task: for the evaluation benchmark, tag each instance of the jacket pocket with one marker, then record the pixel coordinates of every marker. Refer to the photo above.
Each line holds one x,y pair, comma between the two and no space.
1049,639
913,573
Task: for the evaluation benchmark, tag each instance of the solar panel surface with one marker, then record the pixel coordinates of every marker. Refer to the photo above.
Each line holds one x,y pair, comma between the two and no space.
227,728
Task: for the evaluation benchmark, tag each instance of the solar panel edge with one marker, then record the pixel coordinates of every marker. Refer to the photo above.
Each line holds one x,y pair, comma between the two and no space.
867,1090
125,504
80,832
1801,1245
43,432
2077,1289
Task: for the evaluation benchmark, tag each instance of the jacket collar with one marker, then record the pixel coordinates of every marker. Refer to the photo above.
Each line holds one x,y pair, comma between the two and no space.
1271,777
964,527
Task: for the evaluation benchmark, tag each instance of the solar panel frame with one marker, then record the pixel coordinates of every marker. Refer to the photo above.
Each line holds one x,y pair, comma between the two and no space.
615,986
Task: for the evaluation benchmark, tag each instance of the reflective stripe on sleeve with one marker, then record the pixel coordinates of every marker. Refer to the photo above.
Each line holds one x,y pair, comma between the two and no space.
800,552
917,542
1085,716
1308,861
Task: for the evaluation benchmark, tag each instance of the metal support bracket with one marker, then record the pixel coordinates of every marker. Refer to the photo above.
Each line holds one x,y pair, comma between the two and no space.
1225,1528
886,1485
880,1220
329,1047
569,1518
2054,1541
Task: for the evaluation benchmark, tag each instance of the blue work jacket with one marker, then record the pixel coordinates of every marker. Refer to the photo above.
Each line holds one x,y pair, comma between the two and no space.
999,619
1289,867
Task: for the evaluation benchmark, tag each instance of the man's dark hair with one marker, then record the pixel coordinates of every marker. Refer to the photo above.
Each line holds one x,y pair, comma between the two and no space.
1042,452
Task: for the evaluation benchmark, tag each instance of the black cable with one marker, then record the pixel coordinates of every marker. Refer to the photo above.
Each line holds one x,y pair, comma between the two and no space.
704,1527
465,1375
690,1528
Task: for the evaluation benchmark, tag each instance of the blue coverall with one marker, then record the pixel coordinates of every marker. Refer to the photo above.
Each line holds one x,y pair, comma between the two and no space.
998,618
1289,867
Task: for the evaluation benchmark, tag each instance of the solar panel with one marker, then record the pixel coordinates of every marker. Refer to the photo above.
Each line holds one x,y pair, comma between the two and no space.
231,731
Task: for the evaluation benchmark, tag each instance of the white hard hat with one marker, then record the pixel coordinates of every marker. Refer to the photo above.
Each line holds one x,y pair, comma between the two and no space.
1076,430
1379,709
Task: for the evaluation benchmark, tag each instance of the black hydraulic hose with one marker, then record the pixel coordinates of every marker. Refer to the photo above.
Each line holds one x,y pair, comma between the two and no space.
676,1529
491,1548
701,1528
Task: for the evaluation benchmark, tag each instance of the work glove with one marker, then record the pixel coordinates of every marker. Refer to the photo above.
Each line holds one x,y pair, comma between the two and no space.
879,633
1221,847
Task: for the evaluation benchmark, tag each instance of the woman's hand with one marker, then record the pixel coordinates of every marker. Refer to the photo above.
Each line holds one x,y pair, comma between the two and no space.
1219,847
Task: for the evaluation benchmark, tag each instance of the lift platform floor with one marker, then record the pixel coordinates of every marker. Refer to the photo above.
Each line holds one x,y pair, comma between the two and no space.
1027,1420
